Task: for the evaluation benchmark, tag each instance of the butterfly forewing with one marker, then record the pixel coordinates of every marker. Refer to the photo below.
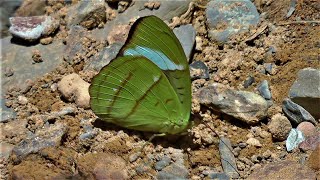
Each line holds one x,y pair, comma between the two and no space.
152,38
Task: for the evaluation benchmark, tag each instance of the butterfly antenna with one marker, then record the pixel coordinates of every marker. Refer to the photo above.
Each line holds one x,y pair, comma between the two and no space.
226,146
150,139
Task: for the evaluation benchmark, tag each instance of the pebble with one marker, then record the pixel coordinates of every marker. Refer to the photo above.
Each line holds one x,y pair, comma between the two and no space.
73,88
264,90
267,154
294,139
305,90
270,68
22,100
248,82
198,70
296,113
32,28
219,12
173,171
243,105
220,176
186,34
165,161
102,166
279,127
311,142
242,145
228,160
48,137
307,128
254,142
89,14
133,157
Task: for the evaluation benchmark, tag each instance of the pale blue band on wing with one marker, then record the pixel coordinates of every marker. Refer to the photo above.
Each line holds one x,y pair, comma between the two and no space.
157,57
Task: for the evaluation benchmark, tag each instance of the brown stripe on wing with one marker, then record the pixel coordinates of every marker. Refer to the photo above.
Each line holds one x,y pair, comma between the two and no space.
142,97
121,86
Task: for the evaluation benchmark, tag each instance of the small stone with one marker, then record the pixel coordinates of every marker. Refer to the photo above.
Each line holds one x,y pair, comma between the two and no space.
254,142
279,127
89,14
133,157
165,161
173,171
46,40
264,90
186,34
73,88
270,68
295,137
118,34
267,154
102,166
311,142
198,70
32,28
248,82
296,113
228,160
49,137
22,100
152,5
219,12
243,105
242,145
305,90
307,128
220,176
36,56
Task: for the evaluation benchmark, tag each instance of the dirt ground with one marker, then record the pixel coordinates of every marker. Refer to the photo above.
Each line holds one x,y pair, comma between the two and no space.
297,46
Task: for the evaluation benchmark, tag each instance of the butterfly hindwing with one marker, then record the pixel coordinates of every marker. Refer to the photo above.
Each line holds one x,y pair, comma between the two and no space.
134,93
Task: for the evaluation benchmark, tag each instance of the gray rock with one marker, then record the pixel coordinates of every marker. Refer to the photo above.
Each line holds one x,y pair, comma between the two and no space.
279,127
165,161
88,134
227,18
250,80
19,58
270,68
219,176
173,171
198,70
49,137
104,57
264,90
166,11
89,14
228,160
7,114
305,90
296,113
186,35
295,137
32,28
246,106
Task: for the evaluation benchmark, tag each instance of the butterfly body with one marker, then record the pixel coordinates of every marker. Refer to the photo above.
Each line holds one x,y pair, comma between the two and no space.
147,87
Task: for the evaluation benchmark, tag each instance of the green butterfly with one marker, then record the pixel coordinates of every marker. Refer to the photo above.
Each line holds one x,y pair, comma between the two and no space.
147,87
